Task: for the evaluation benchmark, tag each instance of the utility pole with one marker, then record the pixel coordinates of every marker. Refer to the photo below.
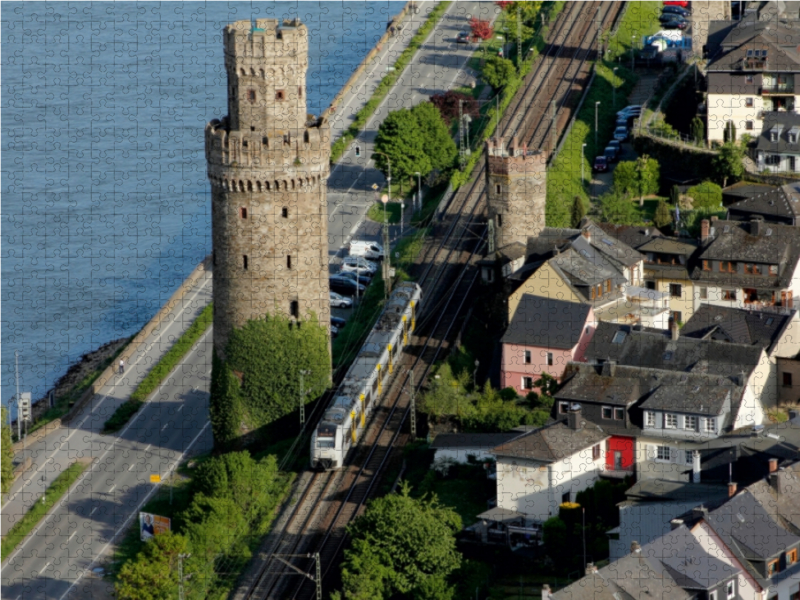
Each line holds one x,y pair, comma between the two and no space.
413,406
553,127
462,149
303,373
583,535
519,38
596,107
19,412
181,558
614,85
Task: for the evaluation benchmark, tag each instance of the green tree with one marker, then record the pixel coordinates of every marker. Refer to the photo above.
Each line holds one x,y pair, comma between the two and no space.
528,12
578,211
663,216
498,72
626,178
446,395
648,172
698,129
729,163
706,195
401,546
260,381
439,145
400,138
618,209
7,450
154,573
729,134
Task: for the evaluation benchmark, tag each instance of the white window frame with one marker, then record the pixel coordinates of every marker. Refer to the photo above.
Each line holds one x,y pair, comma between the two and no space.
710,425
712,595
650,418
550,359
688,457
563,408
524,387
658,453
730,590
690,419
670,418
527,356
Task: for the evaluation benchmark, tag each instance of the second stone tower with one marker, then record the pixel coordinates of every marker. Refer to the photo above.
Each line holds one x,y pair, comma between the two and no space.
268,164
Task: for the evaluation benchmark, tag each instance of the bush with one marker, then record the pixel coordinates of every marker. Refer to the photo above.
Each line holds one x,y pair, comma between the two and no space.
706,196
498,72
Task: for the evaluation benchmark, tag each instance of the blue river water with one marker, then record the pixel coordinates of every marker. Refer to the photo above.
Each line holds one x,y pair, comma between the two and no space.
105,201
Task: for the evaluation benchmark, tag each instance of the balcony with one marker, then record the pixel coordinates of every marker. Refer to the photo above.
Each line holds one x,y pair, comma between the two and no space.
616,473
778,88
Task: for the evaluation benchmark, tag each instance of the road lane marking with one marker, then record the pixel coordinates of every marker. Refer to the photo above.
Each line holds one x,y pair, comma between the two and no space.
180,408
94,509
147,448
165,426
112,488
44,567
72,536
134,513
131,467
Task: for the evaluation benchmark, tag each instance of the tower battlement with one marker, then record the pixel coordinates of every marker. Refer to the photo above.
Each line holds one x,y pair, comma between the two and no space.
514,158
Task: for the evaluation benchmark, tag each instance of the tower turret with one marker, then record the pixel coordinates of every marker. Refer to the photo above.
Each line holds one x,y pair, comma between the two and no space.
268,164
516,188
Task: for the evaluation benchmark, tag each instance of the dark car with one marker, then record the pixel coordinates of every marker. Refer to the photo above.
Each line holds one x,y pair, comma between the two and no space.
344,286
664,17
621,134
675,10
675,24
362,279
611,153
616,144
338,322
600,164
462,38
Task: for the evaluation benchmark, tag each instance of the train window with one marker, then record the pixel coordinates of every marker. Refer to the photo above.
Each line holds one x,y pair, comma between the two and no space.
329,443
374,387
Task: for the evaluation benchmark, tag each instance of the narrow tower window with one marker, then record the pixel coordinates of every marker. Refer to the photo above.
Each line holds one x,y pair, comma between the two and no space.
243,212
497,188
279,95
499,220
294,309
288,261
251,96
285,213
299,91
244,261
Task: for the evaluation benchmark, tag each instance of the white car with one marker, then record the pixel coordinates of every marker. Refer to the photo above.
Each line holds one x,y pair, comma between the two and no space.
360,262
359,270
369,250
339,301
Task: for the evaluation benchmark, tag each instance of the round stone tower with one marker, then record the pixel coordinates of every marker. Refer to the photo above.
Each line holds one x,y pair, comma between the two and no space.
268,164
516,188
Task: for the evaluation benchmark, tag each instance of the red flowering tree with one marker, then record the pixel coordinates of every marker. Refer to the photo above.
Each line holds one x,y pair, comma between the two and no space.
480,28
504,4
447,104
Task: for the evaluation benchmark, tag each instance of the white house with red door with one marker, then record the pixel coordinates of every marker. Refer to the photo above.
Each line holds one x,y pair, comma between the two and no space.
543,336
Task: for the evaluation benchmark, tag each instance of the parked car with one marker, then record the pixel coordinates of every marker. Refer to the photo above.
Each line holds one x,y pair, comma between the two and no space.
675,10
616,144
369,250
462,37
359,261
623,121
681,3
665,17
600,164
621,134
634,110
338,322
339,301
611,153
675,24
334,331
362,279
344,286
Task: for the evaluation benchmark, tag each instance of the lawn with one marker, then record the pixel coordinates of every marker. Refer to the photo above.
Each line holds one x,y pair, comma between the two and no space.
376,212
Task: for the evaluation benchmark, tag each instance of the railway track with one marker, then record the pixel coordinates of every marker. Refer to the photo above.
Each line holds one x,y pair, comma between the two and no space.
332,500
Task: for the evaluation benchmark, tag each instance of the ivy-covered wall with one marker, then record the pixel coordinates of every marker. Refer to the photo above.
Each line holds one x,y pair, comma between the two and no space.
679,162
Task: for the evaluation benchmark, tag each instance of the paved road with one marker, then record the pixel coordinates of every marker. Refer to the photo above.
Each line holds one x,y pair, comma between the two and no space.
53,562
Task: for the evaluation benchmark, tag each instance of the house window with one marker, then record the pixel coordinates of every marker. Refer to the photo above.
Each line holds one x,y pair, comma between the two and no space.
675,290
608,412
712,595
650,285
280,95
608,286
726,266
748,125
285,212
772,568
791,557
671,421
748,102
549,359
773,269
619,414
527,383
690,423
595,451
688,457
748,79
703,293
710,425
650,418
677,316
563,408
243,212
294,309
706,266
527,357
244,262
299,91
787,380
662,453
729,294
619,337
730,590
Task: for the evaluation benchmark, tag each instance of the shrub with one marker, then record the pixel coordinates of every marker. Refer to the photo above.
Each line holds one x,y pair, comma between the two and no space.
707,196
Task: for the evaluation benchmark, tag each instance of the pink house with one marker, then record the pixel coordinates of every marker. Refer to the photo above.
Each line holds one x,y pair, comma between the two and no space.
543,336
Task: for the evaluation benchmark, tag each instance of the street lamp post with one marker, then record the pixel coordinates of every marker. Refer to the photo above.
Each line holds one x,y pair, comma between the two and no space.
614,84
596,106
583,161
387,254
419,190
633,51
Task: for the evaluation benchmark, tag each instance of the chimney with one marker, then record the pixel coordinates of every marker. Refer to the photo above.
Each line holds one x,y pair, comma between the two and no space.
675,523
674,334
696,466
700,512
714,218
705,226
587,234
546,595
773,465
732,489
574,417
756,226
777,481
635,548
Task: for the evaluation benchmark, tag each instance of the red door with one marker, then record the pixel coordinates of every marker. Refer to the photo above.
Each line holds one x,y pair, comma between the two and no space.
620,454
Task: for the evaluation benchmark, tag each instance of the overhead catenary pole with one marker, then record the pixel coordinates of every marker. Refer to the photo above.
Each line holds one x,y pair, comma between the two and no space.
413,406
19,413
519,38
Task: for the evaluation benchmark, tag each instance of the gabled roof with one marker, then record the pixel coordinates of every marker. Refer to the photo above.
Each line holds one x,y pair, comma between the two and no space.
703,395
632,235
552,442
750,34
782,123
668,490
769,202
616,251
669,245
547,323
737,325
584,268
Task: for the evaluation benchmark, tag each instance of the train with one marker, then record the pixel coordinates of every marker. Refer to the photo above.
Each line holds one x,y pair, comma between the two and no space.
345,419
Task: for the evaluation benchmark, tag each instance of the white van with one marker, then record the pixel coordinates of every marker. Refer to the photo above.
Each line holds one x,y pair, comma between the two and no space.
370,250
358,262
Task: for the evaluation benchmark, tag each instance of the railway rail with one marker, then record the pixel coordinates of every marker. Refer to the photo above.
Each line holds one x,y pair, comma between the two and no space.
317,526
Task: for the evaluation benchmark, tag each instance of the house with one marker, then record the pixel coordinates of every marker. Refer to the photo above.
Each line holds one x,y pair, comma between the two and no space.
539,470
772,204
543,336
666,270
459,447
742,190
778,146
651,504
747,265
751,74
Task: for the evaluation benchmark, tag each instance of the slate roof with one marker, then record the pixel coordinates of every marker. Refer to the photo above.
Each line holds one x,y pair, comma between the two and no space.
581,270
776,202
669,245
632,235
444,441
547,323
743,189
702,395
588,386
737,325
750,34
613,249
668,490
552,442
785,122
655,349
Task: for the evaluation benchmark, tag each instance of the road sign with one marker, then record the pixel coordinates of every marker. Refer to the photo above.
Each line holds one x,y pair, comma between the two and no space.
374,186
25,406
155,478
